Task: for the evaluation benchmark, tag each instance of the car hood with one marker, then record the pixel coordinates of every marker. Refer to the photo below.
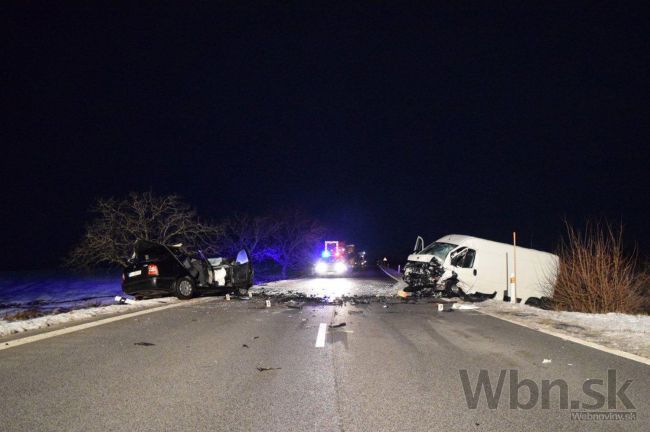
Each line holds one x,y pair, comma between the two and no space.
420,258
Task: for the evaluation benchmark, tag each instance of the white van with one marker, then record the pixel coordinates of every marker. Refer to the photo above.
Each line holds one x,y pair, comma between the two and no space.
480,267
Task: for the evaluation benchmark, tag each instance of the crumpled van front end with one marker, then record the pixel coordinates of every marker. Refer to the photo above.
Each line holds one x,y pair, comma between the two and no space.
425,267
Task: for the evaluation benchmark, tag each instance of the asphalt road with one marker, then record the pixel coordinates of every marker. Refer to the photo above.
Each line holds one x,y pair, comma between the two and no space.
392,368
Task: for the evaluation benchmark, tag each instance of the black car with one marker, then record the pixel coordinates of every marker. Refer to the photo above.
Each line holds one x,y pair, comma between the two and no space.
156,269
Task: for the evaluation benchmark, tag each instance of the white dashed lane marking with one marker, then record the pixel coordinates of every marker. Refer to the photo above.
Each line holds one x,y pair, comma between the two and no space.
320,339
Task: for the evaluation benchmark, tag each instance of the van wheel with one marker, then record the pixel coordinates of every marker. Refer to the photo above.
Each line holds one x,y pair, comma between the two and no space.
185,288
452,290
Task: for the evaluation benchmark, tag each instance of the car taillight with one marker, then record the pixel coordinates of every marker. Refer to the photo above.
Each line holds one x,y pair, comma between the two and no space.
152,270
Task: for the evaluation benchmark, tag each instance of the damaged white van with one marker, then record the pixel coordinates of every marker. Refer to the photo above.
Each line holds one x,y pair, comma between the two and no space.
464,265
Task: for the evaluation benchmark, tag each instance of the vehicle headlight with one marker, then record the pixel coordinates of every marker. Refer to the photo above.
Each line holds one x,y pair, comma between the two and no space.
340,267
320,267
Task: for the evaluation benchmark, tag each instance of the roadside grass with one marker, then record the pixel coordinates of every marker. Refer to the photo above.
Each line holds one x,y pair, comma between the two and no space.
23,315
596,275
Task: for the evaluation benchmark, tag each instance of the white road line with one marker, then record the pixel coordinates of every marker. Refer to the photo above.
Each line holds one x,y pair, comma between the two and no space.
47,335
320,339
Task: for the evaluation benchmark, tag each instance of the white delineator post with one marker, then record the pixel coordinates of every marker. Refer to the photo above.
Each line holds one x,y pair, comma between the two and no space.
513,275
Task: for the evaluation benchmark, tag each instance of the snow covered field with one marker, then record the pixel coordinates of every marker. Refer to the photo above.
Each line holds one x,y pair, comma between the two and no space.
60,298
52,292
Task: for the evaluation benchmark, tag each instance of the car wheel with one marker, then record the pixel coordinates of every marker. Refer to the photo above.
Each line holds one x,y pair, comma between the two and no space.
185,288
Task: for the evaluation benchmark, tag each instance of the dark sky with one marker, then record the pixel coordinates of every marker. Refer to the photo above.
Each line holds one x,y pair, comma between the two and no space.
385,121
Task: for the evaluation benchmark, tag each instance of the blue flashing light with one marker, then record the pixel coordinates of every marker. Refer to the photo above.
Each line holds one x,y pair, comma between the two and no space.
325,254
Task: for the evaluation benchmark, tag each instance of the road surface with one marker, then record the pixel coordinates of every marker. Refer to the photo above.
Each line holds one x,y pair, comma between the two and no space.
394,368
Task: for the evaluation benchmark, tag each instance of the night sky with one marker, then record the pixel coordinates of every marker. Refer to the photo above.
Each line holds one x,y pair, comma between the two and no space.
384,121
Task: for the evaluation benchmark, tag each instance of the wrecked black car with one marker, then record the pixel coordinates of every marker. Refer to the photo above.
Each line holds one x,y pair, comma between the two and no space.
156,269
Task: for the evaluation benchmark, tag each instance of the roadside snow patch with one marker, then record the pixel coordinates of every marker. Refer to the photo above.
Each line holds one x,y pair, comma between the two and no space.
629,333
13,327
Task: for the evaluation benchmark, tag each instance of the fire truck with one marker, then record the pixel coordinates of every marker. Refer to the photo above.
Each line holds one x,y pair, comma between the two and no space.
338,259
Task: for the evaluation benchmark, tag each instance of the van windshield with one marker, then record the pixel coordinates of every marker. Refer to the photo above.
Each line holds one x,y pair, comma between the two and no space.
439,250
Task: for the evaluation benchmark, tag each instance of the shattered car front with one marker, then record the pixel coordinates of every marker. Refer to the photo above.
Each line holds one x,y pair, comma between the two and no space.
424,268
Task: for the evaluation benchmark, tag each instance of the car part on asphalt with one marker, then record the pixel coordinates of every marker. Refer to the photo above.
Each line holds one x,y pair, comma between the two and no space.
264,369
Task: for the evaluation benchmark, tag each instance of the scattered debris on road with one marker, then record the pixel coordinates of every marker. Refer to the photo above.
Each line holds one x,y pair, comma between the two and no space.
464,306
264,369
245,346
546,361
294,304
144,344
322,288
337,325
124,300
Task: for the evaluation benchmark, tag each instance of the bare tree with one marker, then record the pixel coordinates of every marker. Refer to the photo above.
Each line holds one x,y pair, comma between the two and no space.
255,233
286,238
294,240
118,224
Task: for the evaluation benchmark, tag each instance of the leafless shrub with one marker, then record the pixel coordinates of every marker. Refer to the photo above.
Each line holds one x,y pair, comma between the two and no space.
109,238
595,275
644,282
